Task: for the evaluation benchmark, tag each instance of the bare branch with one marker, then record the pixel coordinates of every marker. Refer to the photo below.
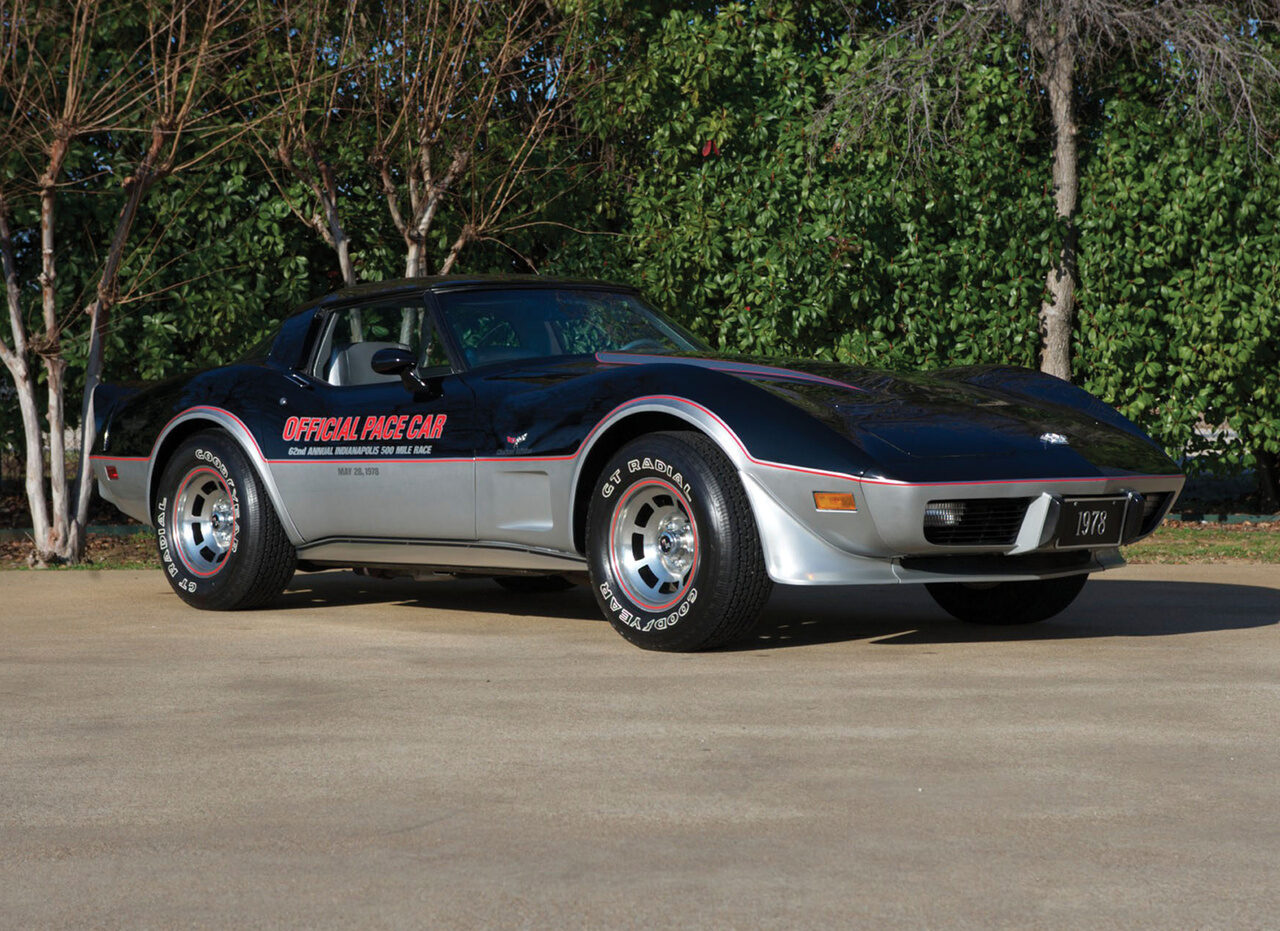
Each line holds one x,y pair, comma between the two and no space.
913,71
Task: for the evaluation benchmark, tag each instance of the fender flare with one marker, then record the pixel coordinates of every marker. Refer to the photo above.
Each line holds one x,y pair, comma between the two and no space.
243,437
691,412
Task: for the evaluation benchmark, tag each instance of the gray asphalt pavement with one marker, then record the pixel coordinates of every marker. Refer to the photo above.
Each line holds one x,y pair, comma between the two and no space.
445,754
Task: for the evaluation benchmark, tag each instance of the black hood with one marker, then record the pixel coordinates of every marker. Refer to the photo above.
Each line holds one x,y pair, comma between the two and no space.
984,413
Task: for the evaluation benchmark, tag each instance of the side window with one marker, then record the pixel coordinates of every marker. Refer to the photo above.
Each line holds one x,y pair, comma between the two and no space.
596,322
499,326
353,334
432,360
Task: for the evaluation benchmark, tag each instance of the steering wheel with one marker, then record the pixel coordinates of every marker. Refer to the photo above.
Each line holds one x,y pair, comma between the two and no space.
492,338
641,343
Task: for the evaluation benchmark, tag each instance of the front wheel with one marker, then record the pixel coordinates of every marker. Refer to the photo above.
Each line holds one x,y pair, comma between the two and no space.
675,556
1007,603
221,544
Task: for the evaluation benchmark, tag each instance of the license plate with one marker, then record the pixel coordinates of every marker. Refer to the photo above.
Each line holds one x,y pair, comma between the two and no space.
1091,522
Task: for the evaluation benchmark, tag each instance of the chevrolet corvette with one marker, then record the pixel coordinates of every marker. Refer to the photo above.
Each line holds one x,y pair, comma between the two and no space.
550,432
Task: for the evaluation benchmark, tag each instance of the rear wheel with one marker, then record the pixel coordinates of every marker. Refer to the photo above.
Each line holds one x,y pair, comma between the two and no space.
1007,603
675,556
221,544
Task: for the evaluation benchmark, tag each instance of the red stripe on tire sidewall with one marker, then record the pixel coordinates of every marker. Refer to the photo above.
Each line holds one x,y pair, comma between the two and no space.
173,529
613,527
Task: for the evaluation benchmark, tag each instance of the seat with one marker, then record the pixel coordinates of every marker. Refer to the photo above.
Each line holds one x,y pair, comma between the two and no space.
354,364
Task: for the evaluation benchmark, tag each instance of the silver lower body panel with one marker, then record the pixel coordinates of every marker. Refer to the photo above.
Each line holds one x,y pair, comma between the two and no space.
442,554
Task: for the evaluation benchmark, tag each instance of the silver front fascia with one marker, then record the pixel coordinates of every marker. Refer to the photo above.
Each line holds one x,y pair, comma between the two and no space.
899,508
805,546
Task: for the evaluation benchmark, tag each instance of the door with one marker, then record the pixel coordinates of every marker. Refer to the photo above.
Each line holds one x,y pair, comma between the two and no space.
368,459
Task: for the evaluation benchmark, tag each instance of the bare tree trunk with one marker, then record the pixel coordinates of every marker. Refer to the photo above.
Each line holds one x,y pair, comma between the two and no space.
1051,30
76,531
413,255
327,191
99,317
1057,313
1268,472
338,238
54,541
55,371
458,245
343,246
24,382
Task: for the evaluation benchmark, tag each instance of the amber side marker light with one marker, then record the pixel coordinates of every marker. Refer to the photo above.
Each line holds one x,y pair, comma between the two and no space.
834,501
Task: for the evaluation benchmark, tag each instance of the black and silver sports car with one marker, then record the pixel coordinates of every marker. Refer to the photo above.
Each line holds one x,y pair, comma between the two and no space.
545,432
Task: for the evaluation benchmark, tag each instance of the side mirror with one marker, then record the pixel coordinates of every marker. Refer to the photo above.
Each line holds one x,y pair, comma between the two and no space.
396,361
393,361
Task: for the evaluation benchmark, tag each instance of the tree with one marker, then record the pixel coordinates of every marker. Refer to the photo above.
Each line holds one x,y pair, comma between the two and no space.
455,112
91,103
918,57
312,120
465,97
715,206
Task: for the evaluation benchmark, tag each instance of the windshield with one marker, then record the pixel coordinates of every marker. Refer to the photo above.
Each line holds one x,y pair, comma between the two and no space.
499,326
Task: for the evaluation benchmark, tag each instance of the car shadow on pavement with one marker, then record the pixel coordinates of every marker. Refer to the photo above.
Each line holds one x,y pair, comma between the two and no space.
881,614
484,596
906,615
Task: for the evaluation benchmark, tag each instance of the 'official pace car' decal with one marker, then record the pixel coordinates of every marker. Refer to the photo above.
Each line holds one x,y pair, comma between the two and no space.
369,433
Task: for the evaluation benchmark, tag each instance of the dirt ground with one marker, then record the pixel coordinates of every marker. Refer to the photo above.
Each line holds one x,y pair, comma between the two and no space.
134,551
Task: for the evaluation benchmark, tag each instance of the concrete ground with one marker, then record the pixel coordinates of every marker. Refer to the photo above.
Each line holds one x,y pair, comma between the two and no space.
443,754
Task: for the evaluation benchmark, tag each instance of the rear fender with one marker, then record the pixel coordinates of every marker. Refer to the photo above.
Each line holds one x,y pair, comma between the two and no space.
192,421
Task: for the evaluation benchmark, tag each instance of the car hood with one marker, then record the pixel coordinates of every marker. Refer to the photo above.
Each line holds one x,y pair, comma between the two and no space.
980,413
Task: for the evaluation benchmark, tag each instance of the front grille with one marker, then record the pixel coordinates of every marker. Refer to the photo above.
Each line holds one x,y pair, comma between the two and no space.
1152,510
974,521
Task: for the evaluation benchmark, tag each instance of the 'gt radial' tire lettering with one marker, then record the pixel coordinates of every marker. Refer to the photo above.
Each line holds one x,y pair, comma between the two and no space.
675,556
221,544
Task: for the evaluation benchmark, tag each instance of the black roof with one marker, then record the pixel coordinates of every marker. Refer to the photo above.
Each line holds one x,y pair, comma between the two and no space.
443,283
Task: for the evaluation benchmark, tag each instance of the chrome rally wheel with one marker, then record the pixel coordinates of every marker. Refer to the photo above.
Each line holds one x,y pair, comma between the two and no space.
655,544
203,528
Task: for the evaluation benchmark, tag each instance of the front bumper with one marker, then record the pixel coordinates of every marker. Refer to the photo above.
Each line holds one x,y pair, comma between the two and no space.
884,540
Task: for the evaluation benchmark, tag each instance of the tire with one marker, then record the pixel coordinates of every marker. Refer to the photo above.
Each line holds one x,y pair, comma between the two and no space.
221,544
672,545
1007,603
534,584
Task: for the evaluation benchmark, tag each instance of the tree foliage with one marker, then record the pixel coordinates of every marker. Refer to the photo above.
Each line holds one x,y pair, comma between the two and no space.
687,160
766,235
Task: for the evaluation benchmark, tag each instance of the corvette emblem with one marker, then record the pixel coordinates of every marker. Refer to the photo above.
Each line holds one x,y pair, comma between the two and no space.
1054,439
